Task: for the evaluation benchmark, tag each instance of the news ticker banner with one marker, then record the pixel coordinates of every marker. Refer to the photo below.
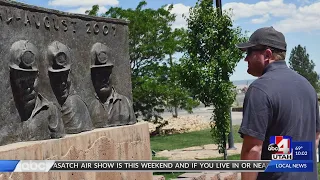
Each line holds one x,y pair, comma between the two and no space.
156,166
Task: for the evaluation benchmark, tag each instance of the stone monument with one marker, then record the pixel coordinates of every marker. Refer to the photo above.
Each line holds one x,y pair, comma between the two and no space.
71,55
66,91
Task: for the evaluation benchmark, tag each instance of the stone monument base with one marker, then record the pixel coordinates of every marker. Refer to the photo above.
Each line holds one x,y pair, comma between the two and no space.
130,142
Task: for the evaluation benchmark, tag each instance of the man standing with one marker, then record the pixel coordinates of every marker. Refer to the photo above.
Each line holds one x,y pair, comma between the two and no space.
279,103
108,108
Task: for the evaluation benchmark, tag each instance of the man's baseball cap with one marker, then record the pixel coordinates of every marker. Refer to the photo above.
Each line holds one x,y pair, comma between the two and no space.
59,57
266,36
100,56
23,56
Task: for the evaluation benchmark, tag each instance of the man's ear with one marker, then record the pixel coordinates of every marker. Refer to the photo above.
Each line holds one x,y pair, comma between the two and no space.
268,54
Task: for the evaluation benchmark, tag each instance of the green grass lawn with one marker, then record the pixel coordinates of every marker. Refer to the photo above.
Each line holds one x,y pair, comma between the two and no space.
231,157
169,175
159,158
178,141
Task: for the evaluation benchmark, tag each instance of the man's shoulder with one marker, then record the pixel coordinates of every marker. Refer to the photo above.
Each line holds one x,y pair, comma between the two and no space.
270,80
261,83
259,88
287,83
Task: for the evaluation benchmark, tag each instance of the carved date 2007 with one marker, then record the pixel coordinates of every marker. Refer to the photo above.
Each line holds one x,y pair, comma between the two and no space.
95,28
53,22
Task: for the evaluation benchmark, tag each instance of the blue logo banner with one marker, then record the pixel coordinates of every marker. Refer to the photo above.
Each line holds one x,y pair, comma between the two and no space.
302,150
8,165
290,166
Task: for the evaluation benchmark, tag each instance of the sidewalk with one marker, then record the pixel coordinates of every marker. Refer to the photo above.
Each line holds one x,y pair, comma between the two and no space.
197,152
200,152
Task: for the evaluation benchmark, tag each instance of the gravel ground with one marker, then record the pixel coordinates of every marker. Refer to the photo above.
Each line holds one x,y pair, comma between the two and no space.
183,124
198,120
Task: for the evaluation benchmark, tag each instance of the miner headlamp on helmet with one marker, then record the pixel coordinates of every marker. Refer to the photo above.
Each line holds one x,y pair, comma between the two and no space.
59,57
100,56
23,56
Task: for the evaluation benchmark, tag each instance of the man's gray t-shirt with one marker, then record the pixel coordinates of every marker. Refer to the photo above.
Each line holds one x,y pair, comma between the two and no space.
281,103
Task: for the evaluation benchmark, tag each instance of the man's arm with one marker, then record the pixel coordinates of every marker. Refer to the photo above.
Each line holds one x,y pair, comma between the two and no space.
317,139
257,114
251,150
317,124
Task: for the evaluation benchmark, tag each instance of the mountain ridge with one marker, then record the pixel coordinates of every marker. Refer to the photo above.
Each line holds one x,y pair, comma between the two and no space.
243,82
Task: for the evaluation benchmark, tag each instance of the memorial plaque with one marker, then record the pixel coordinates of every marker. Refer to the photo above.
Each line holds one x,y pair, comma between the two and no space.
36,44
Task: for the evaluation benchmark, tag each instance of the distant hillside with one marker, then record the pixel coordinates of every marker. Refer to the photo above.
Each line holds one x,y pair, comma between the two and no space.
243,82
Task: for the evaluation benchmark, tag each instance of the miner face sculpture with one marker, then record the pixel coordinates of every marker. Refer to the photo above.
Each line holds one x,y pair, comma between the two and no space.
101,70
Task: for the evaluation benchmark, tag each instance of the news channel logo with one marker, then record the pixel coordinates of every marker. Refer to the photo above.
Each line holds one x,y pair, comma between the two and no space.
280,146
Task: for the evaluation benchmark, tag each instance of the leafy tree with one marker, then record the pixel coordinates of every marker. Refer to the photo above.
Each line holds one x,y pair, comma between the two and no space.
93,11
177,95
210,61
301,63
148,35
151,41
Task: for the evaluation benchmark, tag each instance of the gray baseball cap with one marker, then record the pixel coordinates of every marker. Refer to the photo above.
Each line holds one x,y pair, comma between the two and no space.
266,36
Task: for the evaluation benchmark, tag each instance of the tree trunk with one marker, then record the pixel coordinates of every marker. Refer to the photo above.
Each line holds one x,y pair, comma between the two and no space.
225,155
175,112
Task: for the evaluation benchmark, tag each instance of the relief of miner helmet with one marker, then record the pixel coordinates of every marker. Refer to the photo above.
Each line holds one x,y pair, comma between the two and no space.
59,68
40,118
75,114
108,108
24,56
